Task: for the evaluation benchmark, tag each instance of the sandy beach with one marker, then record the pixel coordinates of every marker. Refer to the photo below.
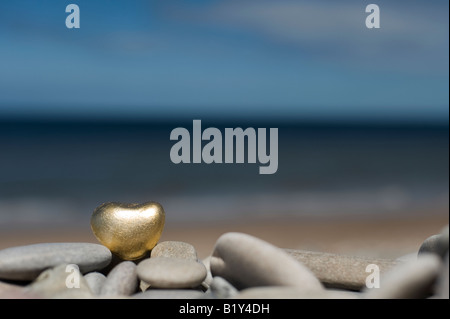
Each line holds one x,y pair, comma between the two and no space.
381,238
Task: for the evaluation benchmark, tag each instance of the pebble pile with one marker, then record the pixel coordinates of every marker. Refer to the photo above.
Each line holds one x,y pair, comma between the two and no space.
240,266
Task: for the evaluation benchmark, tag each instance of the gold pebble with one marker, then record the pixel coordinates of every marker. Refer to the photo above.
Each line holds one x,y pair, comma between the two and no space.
128,230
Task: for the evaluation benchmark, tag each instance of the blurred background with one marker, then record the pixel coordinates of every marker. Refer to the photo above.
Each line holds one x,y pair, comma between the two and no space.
86,114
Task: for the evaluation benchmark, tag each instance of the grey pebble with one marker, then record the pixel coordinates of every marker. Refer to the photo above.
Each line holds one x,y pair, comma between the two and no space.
163,272
121,280
169,294
340,271
209,278
143,286
61,282
443,281
222,289
437,244
95,281
27,262
174,249
246,261
12,291
410,280
283,292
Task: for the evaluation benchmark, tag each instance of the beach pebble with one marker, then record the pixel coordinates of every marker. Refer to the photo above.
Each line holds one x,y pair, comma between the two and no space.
283,292
61,282
340,271
174,249
443,281
27,262
11,291
169,294
221,289
95,281
121,280
246,261
143,286
411,280
163,272
208,280
437,244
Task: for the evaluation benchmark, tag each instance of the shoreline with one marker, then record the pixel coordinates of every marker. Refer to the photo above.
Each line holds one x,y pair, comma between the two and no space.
376,237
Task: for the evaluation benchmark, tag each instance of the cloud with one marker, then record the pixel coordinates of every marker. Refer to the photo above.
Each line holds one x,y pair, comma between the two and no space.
410,32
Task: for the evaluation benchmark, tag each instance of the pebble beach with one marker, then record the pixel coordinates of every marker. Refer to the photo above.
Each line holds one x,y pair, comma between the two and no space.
292,259
228,154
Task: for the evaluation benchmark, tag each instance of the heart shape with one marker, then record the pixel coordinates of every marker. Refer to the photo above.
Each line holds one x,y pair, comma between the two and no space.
128,230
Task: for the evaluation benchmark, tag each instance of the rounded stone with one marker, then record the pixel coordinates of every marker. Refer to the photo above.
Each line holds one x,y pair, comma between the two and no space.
95,281
163,272
246,261
436,244
174,249
61,282
443,281
209,278
27,262
121,281
410,280
143,286
340,271
11,291
284,292
221,289
169,294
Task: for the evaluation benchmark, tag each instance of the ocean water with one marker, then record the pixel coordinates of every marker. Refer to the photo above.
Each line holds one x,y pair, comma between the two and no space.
57,172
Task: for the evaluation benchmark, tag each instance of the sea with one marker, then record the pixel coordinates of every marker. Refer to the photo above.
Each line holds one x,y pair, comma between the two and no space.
56,172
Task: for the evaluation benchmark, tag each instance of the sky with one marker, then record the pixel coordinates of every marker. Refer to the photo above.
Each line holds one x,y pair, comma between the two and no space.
251,58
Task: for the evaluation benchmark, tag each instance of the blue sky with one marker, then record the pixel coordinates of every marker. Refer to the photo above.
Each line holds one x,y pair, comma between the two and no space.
296,59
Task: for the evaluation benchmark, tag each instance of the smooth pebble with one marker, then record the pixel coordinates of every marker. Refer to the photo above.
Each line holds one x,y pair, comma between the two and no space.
122,280
163,272
11,291
437,244
174,249
61,282
410,280
143,286
283,292
95,281
340,271
169,294
443,281
246,261
221,289
208,280
27,262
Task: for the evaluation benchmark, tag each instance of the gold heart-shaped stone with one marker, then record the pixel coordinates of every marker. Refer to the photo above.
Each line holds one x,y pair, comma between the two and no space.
128,230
